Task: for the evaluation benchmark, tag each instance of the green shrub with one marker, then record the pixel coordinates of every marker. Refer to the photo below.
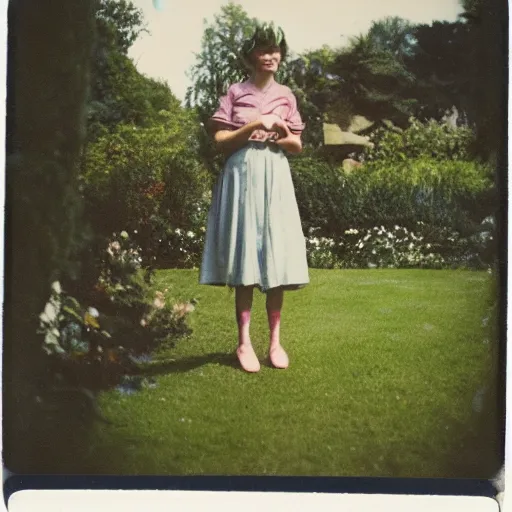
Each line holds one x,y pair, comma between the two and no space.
321,195
453,194
146,180
421,140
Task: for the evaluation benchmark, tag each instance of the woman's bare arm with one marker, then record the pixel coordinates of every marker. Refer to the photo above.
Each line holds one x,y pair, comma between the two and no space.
230,141
291,142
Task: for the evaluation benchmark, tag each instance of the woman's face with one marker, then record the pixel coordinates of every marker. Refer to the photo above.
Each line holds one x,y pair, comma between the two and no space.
266,60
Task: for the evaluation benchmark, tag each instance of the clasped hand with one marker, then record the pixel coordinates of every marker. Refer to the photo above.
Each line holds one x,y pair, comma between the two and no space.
273,123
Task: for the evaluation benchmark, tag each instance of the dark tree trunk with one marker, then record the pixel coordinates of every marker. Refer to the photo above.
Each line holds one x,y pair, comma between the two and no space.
50,44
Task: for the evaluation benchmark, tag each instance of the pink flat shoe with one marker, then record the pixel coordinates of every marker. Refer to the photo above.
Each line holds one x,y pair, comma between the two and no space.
248,359
278,357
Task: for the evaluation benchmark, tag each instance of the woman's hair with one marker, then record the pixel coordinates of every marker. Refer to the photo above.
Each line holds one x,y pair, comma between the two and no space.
266,35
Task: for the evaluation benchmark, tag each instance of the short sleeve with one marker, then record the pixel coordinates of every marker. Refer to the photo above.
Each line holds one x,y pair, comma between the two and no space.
294,119
223,115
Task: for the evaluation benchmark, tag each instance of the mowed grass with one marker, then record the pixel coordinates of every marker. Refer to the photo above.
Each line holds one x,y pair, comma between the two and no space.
384,369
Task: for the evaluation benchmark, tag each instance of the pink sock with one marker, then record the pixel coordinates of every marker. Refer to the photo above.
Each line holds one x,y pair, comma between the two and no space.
244,320
274,322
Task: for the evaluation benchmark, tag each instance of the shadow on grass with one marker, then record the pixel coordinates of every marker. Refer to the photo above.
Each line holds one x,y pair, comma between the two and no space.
187,364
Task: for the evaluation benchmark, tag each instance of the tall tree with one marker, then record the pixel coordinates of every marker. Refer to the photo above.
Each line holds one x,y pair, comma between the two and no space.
309,78
119,93
374,82
394,35
218,65
442,66
487,32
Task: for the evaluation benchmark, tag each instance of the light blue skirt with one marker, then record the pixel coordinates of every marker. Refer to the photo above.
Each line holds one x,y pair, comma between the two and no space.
254,234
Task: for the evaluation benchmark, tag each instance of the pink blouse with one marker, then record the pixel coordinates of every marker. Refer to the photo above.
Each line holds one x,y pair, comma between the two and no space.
244,103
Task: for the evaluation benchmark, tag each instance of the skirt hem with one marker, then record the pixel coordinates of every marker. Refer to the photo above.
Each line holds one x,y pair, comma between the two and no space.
263,289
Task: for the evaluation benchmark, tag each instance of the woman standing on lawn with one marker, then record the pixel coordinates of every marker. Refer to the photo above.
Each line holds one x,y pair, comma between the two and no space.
254,236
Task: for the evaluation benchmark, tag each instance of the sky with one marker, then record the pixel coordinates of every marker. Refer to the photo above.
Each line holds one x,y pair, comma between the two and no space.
176,30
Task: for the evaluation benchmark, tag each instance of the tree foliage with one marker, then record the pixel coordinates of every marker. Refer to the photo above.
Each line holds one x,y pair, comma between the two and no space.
219,65
394,35
375,83
119,93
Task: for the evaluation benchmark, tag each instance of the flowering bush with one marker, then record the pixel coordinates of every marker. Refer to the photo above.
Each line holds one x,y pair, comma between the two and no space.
117,323
397,247
148,321
166,320
174,247
69,329
321,252
122,259
393,248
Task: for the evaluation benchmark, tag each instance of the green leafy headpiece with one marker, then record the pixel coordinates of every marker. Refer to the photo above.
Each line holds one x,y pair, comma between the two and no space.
266,35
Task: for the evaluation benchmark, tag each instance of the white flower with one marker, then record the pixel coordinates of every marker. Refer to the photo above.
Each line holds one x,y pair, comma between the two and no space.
50,312
360,245
428,246
190,234
397,227
367,237
56,287
159,303
411,245
93,312
178,231
51,338
124,234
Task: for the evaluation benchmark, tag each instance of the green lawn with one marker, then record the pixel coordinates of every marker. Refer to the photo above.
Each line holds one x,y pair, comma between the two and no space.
384,368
